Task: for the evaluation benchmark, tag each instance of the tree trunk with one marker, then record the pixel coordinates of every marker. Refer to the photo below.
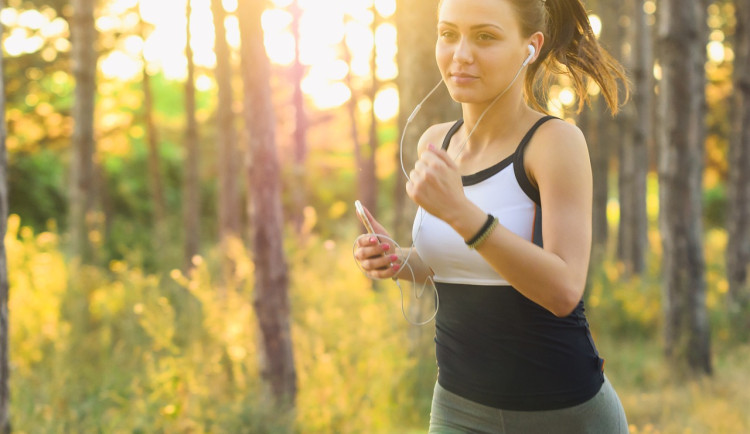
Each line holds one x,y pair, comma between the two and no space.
154,159
634,162
681,135
602,136
351,110
229,212
4,359
738,216
83,38
191,192
271,299
368,181
300,123
613,131
590,122
418,74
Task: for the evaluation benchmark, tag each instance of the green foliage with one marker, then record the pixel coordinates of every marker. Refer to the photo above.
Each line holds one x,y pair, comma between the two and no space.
715,206
37,188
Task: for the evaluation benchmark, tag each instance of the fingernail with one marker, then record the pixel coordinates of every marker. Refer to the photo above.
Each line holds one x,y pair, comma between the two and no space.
386,246
431,147
373,240
396,267
393,258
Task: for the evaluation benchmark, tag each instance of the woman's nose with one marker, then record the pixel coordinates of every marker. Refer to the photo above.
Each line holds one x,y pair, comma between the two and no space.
463,54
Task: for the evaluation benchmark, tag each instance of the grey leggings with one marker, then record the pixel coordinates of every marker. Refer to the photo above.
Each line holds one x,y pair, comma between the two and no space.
452,414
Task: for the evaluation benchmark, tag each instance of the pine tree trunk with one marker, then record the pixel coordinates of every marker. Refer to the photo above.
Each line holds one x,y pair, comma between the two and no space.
418,74
271,298
154,159
368,179
4,359
681,135
738,216
590,122
83,38
300,123
634,162
191,194
603,137
229,211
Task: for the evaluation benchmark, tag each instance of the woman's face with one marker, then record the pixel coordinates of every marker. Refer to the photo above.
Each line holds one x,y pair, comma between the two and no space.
479,48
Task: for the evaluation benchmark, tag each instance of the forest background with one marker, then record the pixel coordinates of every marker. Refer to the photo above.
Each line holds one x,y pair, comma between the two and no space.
178,180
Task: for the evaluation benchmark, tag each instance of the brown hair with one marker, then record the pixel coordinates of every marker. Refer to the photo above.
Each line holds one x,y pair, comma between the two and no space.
570,48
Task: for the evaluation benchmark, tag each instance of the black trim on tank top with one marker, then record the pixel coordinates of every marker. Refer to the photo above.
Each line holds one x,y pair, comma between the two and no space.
516,157
518,166
536,234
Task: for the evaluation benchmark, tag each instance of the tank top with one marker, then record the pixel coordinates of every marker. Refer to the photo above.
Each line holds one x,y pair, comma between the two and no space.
493,345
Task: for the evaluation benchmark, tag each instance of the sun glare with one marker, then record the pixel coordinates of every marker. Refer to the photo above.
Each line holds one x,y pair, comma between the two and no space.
326,27
596,24
121,66
386,104
715,50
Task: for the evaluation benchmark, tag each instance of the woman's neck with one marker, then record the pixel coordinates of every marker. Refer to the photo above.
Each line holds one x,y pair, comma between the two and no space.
502,119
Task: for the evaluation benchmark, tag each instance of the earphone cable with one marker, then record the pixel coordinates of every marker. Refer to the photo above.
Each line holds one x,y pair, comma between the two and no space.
421,212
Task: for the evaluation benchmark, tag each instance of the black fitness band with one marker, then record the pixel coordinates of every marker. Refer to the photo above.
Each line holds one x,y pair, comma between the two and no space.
485,227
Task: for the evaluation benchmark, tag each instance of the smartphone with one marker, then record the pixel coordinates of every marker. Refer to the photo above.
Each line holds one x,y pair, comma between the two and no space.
363,217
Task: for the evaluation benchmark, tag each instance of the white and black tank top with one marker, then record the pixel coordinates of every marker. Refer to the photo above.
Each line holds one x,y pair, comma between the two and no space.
493,345
502,190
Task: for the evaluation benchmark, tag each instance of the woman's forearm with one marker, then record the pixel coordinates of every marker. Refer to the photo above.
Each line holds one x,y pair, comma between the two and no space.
414,270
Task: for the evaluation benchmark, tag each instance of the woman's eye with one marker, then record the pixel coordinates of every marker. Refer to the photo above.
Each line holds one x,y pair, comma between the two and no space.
447,35
485,37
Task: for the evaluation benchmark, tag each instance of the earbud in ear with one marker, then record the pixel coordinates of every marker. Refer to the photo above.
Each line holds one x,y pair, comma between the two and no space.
532,52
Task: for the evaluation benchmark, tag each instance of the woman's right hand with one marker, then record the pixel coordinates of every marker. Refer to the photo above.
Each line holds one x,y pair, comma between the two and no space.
376,254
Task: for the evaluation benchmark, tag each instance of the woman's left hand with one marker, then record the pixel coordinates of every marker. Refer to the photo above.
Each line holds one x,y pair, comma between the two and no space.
435,185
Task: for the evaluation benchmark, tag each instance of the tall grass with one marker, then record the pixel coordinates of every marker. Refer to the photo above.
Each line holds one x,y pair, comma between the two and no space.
121,350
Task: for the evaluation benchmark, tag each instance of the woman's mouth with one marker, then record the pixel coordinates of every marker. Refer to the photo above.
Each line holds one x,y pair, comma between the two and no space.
462,77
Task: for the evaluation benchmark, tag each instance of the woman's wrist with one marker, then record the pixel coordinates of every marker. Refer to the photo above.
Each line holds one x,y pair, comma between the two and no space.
468,221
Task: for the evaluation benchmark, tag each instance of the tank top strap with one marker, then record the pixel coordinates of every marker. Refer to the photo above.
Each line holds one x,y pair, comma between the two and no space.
518,165
451,132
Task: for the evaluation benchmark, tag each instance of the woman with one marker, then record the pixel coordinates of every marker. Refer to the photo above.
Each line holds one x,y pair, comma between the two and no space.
513,345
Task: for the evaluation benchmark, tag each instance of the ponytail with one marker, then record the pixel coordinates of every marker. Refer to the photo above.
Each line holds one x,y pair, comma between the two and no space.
570,48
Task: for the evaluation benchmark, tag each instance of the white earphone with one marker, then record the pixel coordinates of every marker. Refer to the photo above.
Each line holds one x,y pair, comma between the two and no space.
405,261
532,51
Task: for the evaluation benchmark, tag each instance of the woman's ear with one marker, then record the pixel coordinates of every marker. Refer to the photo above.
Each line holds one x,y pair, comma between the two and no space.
537,41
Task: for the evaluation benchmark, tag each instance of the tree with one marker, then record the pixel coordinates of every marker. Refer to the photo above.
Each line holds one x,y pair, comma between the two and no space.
603,135
368,170
738,216
271,300
154,166
590,120
4,362
191,192
415,24
297,73
83,38
364,153
229,211
681,134
634,161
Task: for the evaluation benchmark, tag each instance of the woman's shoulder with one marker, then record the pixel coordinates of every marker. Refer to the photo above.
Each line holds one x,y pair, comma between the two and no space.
434,135
556,136
558,146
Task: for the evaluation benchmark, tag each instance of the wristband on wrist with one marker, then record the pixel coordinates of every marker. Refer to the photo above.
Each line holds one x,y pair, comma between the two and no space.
484,232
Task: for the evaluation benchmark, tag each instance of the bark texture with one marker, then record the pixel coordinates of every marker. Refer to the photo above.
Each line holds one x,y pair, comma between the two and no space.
84,57
681,135
271,298
738,216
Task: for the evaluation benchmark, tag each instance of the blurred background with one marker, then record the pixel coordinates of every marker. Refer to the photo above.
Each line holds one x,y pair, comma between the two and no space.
180,186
